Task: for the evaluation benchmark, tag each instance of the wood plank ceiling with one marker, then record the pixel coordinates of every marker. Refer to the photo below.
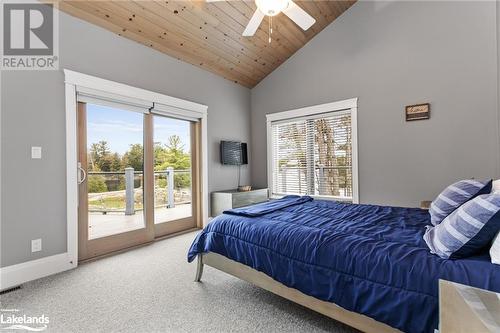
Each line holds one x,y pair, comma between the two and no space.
208,35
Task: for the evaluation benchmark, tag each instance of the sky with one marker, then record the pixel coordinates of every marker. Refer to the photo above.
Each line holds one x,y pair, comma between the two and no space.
122,128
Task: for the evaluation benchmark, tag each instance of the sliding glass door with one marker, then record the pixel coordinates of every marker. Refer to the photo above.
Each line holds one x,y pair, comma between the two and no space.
136,176
173,175
115,164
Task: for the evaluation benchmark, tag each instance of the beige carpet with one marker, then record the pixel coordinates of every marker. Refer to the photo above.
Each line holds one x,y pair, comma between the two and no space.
151,289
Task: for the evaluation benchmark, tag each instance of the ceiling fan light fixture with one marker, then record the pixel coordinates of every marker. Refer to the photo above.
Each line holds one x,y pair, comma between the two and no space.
271,7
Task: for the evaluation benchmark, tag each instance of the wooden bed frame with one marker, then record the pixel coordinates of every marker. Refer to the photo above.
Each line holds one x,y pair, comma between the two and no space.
353,319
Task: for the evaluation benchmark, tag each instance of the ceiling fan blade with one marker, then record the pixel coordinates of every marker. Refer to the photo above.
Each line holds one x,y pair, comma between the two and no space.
299,16
254,23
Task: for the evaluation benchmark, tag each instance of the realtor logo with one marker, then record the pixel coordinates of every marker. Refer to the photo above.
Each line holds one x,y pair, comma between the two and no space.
14,320
29,36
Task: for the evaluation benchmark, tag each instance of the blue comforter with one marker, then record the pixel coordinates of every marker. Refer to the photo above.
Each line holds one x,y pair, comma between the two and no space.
368,259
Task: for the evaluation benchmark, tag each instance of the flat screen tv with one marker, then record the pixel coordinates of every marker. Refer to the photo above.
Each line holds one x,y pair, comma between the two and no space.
233,153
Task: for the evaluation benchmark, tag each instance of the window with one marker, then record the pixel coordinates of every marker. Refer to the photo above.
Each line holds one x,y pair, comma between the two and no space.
312,151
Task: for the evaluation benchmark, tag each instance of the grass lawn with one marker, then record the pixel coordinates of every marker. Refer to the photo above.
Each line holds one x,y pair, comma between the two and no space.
113,203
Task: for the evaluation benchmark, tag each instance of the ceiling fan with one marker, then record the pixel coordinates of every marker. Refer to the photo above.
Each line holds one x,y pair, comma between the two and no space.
274,7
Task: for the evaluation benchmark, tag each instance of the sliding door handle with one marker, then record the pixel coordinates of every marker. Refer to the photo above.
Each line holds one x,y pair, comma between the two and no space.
82,175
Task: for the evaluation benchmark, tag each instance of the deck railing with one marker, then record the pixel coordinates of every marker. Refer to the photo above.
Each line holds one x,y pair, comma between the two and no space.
131,185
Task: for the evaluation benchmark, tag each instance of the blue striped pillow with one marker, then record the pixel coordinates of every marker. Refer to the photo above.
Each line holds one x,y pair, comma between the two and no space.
455,196
467,230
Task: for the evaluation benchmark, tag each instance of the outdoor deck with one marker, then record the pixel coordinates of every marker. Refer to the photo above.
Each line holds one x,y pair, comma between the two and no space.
101,225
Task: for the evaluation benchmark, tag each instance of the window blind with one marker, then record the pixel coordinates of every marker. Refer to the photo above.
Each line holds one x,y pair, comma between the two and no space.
174,112
313,156
91,96
87,95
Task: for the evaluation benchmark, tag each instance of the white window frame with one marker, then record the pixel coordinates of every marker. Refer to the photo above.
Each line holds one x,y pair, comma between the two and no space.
340,106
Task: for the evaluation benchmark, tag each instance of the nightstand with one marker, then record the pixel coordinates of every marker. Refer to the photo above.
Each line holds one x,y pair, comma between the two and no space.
465,309
225,200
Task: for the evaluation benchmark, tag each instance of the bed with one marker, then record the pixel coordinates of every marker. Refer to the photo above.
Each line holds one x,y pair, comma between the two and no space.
365,265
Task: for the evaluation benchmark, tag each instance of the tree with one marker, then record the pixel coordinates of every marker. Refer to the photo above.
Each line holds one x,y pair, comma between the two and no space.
175,144
325,143
115,162
172,155
98,160
97,184
345,124
134,157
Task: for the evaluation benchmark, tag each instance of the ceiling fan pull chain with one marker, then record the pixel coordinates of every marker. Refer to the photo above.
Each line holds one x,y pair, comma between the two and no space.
269,28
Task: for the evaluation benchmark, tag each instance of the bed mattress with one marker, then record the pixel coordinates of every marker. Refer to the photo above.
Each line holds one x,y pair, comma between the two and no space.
365,258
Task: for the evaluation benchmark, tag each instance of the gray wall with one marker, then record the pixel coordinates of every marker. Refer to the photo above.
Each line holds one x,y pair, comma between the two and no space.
32,110
392,54
389,54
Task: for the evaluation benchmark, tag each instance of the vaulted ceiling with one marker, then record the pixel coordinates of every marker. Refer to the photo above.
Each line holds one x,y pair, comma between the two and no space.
208,35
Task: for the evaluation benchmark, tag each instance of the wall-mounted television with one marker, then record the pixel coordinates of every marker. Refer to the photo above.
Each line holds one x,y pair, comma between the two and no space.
233,153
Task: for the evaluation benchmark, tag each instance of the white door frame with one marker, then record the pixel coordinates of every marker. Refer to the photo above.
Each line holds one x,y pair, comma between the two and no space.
76,82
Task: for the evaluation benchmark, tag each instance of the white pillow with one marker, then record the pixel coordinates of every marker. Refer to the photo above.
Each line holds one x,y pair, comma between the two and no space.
495,250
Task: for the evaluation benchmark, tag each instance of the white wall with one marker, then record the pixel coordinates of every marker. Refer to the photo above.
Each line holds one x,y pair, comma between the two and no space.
389,55
32,113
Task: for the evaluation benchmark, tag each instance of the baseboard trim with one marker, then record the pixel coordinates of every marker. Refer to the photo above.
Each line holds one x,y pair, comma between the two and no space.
14,275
